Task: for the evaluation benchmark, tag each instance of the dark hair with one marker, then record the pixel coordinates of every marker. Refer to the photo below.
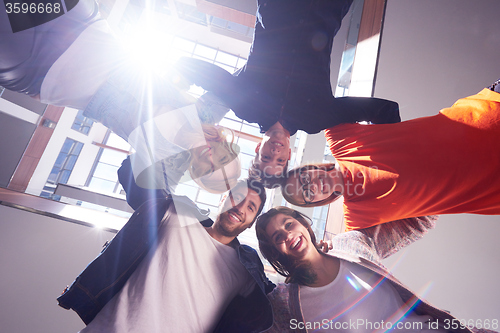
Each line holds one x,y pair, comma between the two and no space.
256,186
269,181
295,272
288,197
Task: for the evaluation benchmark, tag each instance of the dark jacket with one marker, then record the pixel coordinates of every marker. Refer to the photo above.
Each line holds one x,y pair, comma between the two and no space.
287,75
107,274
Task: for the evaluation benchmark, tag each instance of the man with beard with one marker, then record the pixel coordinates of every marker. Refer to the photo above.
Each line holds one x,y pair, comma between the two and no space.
194,277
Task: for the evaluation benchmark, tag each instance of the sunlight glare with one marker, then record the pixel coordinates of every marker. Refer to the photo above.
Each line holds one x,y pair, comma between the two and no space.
149,49
98,219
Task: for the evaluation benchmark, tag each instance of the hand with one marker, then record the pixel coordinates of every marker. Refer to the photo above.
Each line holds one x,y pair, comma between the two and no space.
325,246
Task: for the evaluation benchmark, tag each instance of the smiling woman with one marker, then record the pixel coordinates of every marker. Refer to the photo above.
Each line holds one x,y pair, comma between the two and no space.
443,164
216,166
313,185
285,239
216,153
346,289
175,142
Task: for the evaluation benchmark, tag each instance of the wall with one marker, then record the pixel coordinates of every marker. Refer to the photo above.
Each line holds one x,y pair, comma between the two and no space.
39,256
432,53
19,116
14,138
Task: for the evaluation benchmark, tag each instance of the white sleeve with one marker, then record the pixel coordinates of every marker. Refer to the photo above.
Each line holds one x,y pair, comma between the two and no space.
77,74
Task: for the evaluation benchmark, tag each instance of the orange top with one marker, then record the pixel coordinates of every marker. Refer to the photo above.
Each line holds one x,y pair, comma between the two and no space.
444,164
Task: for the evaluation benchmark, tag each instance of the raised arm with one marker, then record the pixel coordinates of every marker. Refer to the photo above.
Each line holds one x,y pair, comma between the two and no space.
379,242
206,75
389,238
136,195
375,110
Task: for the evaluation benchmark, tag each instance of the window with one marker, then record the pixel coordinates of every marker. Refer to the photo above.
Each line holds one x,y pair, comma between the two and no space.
104,177
62,168
190,13
234,29
319,216
82,124
205,52
131,16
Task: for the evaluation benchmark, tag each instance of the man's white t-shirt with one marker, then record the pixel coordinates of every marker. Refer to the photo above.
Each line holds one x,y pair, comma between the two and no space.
182,285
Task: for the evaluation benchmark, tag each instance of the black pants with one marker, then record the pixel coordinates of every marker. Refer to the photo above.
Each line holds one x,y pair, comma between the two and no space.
26,56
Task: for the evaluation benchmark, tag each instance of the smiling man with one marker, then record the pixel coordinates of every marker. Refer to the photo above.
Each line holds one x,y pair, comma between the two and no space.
238,211
285,83
196,276
272,153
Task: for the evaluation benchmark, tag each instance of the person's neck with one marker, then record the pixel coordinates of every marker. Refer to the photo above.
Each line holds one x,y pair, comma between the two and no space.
325,268
215,234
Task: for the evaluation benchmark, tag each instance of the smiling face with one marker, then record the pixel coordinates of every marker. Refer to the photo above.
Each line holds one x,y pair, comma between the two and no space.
273,152
210,157
311,185
290,237
238,212
220,180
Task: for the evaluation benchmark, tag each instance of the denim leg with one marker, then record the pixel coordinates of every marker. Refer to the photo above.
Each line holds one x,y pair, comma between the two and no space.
130,98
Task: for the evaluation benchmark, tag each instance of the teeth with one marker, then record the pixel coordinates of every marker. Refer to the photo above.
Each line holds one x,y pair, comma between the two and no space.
294,245
234,217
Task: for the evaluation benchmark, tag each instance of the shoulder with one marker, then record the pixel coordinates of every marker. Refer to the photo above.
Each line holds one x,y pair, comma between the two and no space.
280,290
279,297
286,307
249,257
247,249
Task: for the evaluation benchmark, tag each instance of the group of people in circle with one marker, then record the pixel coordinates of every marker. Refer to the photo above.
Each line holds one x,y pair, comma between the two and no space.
394,176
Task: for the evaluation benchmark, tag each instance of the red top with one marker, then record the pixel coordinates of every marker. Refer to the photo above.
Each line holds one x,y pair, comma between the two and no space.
444,164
